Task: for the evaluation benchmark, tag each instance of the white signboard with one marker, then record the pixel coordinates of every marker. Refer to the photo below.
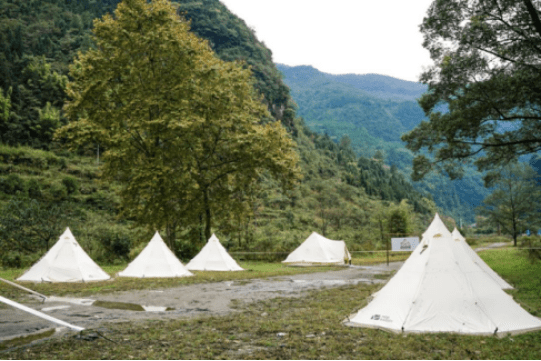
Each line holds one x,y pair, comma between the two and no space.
404,244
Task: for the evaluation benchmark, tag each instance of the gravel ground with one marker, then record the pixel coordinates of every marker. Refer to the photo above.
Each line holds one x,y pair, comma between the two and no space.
188,301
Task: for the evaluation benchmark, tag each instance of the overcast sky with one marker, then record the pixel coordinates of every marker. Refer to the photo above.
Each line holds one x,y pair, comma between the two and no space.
341,36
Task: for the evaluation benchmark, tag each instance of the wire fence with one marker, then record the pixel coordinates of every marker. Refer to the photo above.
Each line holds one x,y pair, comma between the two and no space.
280,256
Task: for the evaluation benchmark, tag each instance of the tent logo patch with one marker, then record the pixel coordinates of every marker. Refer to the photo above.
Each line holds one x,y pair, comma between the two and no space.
383,318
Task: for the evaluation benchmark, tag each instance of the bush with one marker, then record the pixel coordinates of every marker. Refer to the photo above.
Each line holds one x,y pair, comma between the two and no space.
11,259
71,184
532,243
58,192
12,184
101,200
115,244
34,188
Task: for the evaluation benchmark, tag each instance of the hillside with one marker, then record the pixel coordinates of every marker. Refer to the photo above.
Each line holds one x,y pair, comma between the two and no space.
374,111
342,196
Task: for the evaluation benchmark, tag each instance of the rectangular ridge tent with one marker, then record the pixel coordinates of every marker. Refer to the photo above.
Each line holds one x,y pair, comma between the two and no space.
318,250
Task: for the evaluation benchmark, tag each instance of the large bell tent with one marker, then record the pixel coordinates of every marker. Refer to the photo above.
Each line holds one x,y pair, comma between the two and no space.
318,250
66,261
441,289
479,261
213,257
156,260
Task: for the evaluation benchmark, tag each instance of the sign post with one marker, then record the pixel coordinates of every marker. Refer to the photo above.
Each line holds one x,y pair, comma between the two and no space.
404,244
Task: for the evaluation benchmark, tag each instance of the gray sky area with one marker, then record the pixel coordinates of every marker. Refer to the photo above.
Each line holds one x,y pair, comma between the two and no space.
341,36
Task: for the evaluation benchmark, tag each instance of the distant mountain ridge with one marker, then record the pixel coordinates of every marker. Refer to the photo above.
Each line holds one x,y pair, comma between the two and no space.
374,119
375,85
374,111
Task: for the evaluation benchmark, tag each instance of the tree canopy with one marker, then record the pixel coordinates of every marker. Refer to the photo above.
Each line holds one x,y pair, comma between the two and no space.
184,132
514,203
484,95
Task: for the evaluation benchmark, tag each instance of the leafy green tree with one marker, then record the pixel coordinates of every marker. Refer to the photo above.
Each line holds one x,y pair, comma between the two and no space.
28,226
34,104
5,105
514,203
484,96
182,128
399,222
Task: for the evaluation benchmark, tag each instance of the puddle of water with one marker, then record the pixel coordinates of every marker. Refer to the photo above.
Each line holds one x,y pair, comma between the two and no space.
75,301
157,308
336,282
131,306
48,309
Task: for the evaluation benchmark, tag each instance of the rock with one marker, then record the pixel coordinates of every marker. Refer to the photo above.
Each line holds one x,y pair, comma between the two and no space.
264,314
281,334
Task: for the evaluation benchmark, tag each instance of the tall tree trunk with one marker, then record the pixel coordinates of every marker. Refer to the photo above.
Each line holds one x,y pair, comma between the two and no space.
169,231
200,229
208,224
514,232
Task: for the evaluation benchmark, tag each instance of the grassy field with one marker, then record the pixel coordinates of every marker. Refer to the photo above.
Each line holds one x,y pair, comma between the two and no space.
369,258
304,328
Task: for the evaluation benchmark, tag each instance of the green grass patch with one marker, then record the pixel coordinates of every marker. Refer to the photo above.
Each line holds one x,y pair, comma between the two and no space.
369,258
24,340
118,305
514,266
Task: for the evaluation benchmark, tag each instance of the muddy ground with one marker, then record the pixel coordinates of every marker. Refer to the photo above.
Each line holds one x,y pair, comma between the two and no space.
186,301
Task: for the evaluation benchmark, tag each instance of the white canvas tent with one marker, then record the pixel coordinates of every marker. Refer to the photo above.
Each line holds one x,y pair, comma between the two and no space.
479,261
66,261
213,257
317,249
440,289
156,260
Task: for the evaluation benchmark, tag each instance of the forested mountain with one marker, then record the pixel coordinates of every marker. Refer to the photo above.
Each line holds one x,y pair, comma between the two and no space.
341,195
374,111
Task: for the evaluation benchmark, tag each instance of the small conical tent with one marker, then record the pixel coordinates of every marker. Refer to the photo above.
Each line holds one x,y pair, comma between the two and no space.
440,289
479,261
317,249
213,257
155,261
66,261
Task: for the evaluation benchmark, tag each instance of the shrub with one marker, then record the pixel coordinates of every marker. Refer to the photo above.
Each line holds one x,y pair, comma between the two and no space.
58,192
115,244
71,184
11,259
34,188
12,184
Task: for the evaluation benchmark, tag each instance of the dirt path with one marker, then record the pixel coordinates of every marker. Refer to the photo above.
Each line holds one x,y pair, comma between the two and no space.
187,301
